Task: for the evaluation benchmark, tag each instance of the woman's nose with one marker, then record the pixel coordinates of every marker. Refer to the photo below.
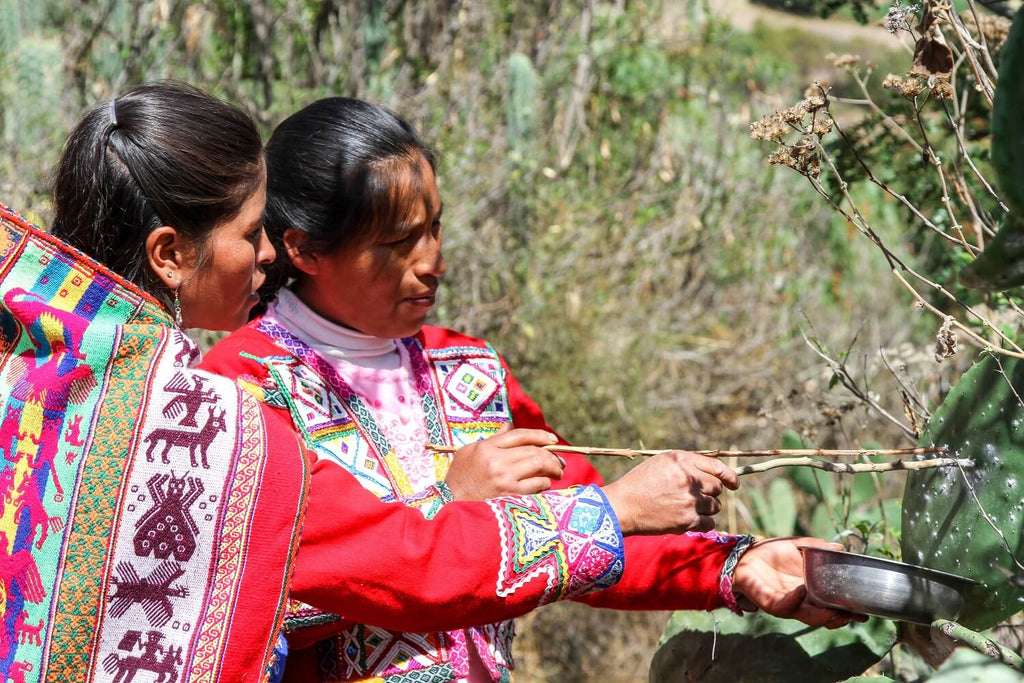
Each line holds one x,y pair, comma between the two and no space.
265,252
431,259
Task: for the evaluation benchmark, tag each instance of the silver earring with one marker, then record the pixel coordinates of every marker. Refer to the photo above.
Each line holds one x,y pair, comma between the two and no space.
177,309
177,303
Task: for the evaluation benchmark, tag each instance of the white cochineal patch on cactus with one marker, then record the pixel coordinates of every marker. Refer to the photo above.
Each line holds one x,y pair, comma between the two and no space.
943,526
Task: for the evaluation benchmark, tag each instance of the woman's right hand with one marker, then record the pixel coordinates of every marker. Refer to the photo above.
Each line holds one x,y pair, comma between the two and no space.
511,462
670,493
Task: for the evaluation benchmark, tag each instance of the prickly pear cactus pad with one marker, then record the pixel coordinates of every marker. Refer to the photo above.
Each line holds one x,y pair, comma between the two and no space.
762,648
1001,265
1007,123
982,419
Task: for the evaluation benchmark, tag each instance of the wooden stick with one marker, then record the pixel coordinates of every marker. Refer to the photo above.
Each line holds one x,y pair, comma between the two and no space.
847,468
773,453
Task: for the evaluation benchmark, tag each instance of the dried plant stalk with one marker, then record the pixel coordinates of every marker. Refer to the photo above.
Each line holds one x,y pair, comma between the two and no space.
855,468
770,453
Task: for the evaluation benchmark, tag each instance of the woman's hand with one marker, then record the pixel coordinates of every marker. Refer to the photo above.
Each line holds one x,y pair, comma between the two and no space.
511,462
670,493
770,576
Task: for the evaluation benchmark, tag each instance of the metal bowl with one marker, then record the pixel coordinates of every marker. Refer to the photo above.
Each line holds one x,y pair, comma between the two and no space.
871,585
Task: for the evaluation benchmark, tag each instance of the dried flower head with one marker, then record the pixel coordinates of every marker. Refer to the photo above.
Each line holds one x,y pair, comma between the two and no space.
817,88
782,156
943,90
912,87
794,114
896,19
771,128
945,341
802,157
908,86
822,126
846,62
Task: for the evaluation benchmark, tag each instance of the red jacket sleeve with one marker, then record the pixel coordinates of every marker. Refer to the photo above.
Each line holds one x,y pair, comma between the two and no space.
662,572
385,564
473,563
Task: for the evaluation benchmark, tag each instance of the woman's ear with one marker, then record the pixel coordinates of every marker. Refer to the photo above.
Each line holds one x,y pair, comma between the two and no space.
294,247
165,253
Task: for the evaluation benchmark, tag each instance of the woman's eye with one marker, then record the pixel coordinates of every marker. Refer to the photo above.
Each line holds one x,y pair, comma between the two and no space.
395,240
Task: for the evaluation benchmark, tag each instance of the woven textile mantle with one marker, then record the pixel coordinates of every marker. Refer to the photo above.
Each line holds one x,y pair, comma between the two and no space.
148,511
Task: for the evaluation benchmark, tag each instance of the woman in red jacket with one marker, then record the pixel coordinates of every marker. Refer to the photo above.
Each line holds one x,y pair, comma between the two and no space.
343,353
151,512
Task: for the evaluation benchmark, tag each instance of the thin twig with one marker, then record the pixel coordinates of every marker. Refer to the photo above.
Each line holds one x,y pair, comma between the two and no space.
766,453
854,468
970,47
959,136
887,121
936,161
897,264
851,386
911,392
869,174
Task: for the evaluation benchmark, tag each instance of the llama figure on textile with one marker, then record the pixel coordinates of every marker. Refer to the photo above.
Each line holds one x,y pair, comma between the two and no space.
50,387
197,443
26,632
18,671
19,570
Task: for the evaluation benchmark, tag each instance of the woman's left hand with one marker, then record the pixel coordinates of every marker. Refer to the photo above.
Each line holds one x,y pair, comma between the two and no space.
770,576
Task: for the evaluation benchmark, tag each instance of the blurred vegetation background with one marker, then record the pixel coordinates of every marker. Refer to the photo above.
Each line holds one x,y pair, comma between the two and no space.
611,226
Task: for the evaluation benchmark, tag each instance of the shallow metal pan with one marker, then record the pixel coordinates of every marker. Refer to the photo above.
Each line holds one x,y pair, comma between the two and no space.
871,585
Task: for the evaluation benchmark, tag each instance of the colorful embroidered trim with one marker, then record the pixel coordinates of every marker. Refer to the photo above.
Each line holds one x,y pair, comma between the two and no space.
568,538
430,500
743,544
369,653
353,404
471,387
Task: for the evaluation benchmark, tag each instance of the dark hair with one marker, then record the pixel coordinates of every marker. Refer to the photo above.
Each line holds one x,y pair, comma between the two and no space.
160,154
332,169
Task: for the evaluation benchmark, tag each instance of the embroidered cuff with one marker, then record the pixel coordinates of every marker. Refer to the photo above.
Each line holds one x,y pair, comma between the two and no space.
743,544
569,538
